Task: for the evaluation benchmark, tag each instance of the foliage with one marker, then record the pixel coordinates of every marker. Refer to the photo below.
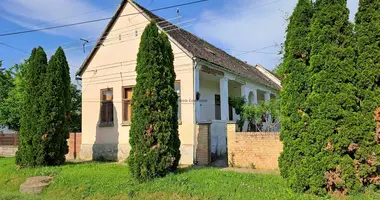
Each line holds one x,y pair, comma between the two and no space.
11,105
327,110
154,136
31,150
238,103
55,109
368,89
263,117
6,83
75,121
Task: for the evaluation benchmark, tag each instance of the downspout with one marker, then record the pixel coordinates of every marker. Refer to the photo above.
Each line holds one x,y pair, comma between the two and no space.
195,112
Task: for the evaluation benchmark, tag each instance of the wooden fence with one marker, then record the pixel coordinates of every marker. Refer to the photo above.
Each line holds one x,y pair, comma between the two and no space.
9,139
9,144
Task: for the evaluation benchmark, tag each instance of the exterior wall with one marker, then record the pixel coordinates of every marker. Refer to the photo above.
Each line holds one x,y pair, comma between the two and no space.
113,66
203,144
208,89
260,149
8,151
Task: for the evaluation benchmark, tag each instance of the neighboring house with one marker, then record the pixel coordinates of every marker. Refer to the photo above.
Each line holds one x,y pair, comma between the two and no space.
203,71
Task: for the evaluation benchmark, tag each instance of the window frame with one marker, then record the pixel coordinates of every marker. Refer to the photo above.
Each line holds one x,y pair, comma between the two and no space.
104,122
123,99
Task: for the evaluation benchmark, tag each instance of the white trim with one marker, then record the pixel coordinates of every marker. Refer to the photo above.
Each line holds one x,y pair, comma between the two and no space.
268,74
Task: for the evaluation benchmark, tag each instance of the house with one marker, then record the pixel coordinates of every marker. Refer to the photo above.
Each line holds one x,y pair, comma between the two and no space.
206,77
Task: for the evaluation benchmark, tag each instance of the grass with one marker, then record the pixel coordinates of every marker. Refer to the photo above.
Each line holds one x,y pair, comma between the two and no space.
113,181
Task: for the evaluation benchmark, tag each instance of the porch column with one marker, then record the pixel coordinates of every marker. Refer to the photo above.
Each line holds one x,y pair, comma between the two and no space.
197,89
224,115
267,97
255,98
244,92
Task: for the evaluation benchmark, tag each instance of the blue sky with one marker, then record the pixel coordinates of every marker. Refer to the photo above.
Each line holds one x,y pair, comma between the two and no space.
236,26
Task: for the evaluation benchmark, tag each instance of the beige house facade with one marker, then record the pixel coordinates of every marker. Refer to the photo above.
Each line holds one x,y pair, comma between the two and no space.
206,78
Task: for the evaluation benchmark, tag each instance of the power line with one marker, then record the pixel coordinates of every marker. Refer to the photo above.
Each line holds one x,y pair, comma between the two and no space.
25,52
56,20
256,50
12,47
98,20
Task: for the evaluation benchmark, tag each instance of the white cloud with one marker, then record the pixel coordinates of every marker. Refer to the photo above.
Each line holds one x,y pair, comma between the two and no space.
249,25
27,13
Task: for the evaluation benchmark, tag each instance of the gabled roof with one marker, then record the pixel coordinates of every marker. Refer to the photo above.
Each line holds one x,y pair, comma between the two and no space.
198,47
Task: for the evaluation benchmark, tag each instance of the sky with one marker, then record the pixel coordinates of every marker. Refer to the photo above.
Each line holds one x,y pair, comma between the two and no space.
251,30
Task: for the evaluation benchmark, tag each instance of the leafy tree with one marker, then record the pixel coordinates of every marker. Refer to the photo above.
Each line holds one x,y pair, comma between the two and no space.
11,107
31,150
368,83
6,84
263,117
154,131
293,71
238,103
75,121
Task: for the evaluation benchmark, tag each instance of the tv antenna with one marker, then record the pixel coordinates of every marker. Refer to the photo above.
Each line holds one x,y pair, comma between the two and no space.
178,13
84,44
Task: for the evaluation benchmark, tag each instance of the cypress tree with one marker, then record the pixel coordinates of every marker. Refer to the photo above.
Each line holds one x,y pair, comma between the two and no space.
333,132
154,130
55,109
31,148
368,82
295,90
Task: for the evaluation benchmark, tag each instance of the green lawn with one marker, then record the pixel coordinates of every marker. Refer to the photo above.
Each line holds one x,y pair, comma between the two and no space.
113,181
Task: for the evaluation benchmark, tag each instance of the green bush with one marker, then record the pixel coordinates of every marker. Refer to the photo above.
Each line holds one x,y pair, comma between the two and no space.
154,130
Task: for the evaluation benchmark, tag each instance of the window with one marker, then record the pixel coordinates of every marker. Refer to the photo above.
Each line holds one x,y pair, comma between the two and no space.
127,104
178,91
106,109
217,107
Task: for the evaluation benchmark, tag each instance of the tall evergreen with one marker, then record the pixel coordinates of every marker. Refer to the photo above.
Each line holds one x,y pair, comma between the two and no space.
55,108
31,149
368,81
154,131
295,91
333,132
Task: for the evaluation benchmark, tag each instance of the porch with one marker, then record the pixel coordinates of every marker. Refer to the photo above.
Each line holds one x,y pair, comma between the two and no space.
213,90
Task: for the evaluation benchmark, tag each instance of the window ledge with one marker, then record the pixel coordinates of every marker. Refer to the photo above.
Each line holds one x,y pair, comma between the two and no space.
126,123
106,124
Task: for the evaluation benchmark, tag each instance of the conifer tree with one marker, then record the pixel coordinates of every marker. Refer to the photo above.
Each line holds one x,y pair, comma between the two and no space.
55,108
295,90
154,130
31,149
368,82
333,133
